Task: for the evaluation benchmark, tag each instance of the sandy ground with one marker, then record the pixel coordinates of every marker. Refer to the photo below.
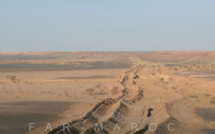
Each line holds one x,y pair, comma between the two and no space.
160,88
55,86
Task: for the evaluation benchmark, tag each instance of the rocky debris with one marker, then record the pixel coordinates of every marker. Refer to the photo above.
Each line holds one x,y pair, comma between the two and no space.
135,76
88,120
119,116
134,82
165,129
138,96
124,79
124,93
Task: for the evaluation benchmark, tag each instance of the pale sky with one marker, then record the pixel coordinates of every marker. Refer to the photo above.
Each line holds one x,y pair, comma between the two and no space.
107,25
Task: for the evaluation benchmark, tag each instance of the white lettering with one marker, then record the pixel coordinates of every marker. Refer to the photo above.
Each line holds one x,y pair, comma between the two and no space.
116,127
134,126
66,126
169,127
48,127
31,126
151,128
98,127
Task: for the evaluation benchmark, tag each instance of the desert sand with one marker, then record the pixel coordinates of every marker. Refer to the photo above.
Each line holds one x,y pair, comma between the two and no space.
126,92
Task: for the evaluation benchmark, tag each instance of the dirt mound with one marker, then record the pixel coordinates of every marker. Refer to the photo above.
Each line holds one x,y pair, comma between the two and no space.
142,105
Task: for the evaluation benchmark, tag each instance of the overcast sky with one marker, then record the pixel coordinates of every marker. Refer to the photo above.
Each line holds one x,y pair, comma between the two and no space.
107,25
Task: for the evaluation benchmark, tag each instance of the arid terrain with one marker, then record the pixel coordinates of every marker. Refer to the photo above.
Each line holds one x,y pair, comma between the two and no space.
125,92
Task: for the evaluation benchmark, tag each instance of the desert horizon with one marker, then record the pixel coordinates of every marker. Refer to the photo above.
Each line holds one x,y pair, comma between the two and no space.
107,67
107,92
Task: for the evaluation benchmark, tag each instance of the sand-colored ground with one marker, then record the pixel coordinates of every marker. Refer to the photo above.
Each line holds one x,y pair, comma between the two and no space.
158,87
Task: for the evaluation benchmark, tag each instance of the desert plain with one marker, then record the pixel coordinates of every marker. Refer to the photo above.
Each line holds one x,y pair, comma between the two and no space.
125,92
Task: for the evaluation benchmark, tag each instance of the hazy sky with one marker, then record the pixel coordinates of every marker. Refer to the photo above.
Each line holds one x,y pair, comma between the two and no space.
107,25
